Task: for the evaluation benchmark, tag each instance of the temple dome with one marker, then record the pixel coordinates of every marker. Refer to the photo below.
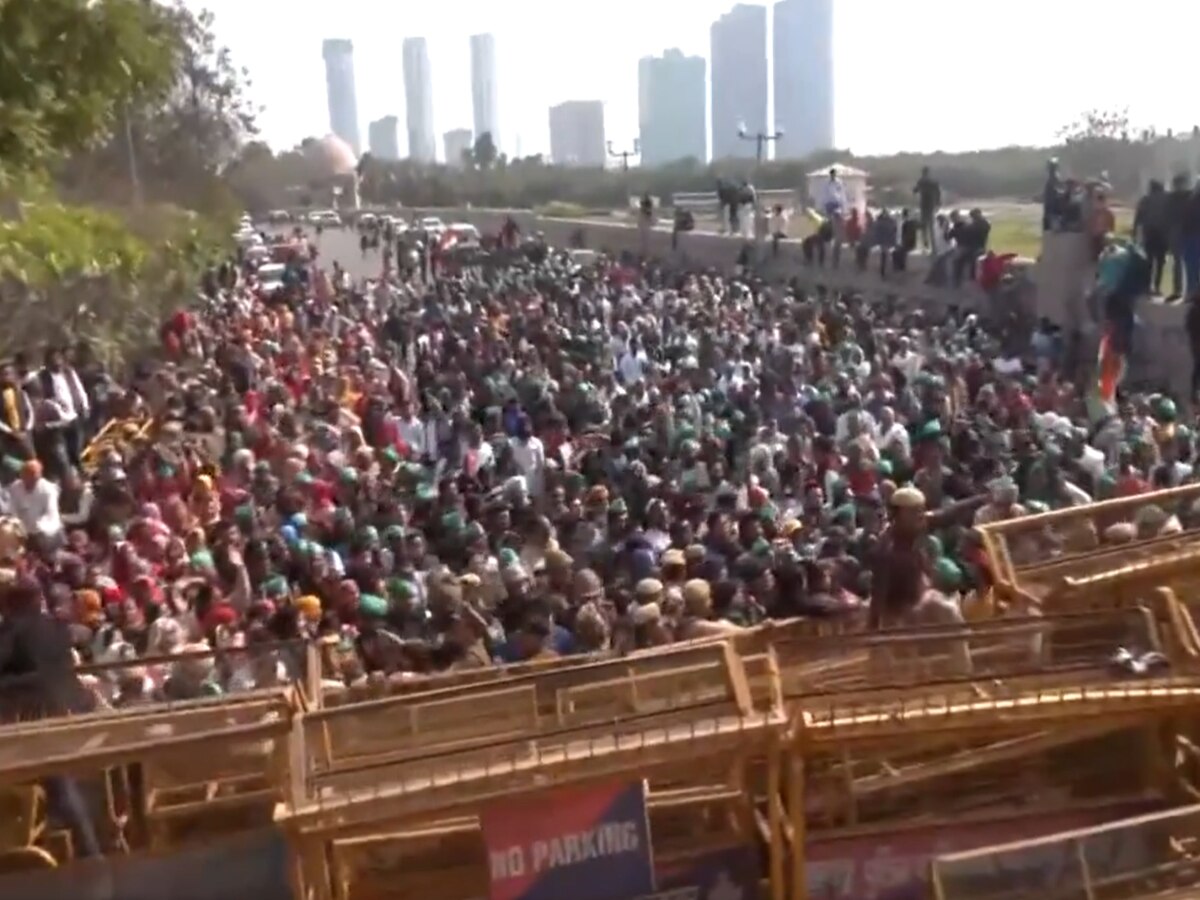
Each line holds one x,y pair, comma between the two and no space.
333,156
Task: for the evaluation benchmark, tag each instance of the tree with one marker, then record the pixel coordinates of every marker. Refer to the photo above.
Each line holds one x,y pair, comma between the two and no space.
484,152
67,70
70,273
184,136
1097,125
1103,143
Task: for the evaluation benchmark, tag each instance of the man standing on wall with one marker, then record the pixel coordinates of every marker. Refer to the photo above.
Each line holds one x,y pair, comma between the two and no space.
1177,200
1150,227
833,206
929,196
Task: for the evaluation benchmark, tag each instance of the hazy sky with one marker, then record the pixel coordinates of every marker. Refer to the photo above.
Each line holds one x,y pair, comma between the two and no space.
921,75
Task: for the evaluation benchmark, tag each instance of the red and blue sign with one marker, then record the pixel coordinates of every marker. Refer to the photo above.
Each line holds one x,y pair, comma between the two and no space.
586,843
730,873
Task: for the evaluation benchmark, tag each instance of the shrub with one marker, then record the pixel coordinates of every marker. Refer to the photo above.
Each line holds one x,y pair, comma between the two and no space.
71,273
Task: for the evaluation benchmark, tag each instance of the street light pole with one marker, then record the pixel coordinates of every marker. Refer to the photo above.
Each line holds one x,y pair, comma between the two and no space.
761,139
625,154
644,222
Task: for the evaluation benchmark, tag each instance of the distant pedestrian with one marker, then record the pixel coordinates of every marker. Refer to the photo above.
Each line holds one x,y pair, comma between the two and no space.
1150,228
929,198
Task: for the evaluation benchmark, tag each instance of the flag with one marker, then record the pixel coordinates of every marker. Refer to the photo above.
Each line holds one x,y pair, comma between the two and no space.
1110,372
447,240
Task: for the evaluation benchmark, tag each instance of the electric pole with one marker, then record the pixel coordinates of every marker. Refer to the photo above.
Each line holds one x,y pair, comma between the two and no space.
761,139
625,154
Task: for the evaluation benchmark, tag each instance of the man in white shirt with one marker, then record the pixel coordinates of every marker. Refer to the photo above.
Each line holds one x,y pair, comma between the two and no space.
412,432
632,364
60,384
34,501
530,457
833,206
893,437
833,196
779,227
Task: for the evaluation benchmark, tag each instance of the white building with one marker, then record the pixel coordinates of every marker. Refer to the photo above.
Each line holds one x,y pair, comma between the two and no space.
803,62
577,134
484,91
339,87
418,95
455,143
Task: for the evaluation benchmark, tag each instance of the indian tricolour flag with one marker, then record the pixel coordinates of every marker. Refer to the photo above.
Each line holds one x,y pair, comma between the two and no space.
1111,367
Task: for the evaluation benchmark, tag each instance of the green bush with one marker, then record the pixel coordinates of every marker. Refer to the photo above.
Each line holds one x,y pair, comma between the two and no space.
71,273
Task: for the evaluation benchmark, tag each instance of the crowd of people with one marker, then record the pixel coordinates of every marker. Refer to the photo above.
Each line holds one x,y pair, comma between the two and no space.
956,241
532,458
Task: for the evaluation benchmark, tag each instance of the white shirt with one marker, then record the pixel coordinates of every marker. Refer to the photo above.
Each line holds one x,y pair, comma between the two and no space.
631,367
833,195
530,459
412,432
866,423
1091,461
37,507
64,385
895,436
909,364
485,457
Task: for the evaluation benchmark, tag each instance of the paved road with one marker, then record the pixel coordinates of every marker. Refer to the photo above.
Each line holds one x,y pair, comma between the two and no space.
340,245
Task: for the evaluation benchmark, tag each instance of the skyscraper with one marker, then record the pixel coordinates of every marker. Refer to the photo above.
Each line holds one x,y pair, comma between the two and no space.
739,79
418,95
577,133
484,92
804,76
383,138
672,114
455,143
339,86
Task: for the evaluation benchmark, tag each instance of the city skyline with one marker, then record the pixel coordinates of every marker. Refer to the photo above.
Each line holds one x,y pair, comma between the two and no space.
914,43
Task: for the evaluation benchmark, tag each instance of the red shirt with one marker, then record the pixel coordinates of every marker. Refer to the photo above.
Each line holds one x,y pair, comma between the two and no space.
992,269
1131,484
861,480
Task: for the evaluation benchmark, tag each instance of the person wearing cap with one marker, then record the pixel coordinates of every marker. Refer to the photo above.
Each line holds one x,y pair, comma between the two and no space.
899,576
466,634
648,590
649,626
698,621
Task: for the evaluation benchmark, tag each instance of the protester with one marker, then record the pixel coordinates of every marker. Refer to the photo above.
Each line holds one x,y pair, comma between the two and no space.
834,206
1150,226
533,458
929,200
